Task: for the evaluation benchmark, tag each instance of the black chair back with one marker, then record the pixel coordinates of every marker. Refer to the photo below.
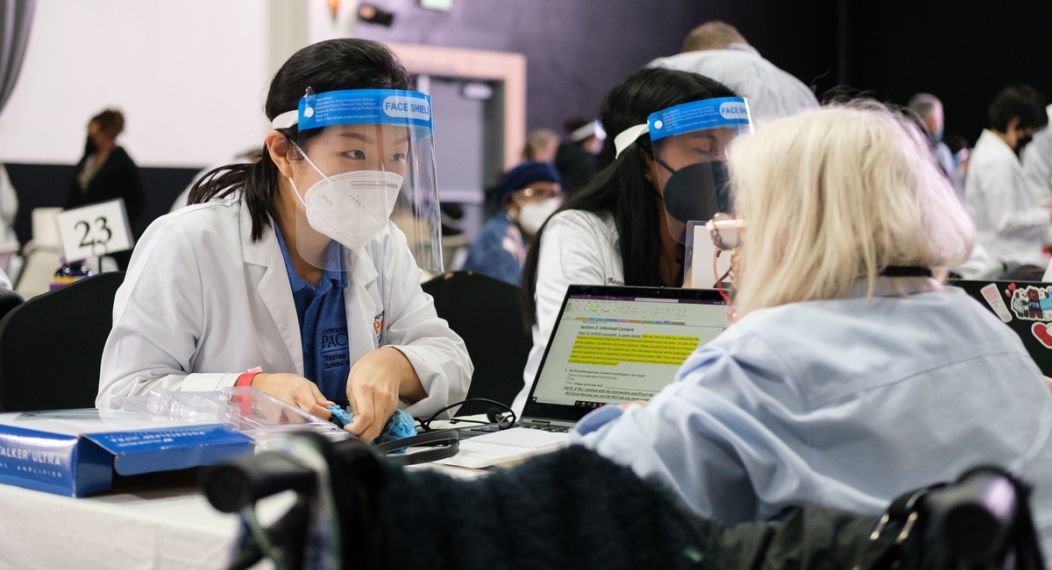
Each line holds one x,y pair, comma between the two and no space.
8,301
51,346
487,314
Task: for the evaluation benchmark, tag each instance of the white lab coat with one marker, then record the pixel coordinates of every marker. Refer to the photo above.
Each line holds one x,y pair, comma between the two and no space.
1037,159
772,92
8,239
1011,219
577,247
8,208
202,303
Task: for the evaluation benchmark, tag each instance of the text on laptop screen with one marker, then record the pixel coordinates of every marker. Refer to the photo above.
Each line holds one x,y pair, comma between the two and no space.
609,350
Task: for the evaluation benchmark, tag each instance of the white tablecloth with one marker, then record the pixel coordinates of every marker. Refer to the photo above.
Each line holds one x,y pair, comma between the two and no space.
148,529
157,524
154,528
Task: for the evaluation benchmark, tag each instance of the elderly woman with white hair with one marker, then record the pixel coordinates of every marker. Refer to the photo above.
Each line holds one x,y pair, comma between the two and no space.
851,373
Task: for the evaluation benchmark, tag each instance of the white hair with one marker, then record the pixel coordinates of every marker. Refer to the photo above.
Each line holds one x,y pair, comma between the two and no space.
923,104
834,195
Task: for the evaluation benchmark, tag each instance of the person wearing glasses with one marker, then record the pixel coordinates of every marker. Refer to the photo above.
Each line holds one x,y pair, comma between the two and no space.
852,373
527,195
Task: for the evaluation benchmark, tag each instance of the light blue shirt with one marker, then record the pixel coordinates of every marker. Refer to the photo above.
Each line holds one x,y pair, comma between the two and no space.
499,251
845,403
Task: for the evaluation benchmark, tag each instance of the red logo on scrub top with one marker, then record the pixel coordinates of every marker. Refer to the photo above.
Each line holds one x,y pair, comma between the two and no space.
378,325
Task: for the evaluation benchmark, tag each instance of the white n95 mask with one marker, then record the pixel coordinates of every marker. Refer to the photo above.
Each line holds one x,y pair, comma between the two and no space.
351,208
383,130
532,215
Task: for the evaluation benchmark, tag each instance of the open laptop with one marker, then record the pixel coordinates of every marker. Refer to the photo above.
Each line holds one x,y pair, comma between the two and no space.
609,345
1026,307
618,344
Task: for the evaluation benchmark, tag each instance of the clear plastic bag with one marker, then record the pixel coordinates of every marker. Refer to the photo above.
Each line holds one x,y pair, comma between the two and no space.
248,410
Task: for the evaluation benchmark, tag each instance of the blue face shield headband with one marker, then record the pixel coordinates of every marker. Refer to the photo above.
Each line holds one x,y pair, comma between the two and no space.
393,107
689,142
722,112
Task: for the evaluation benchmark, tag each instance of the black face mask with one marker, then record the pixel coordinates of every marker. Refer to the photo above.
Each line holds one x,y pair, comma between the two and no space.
698,191
90,146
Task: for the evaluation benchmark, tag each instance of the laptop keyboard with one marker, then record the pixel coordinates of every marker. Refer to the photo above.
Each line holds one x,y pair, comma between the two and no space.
546,427
490,428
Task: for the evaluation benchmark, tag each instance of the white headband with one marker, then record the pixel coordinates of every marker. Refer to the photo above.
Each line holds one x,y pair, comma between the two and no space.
627,137
286,120
589,129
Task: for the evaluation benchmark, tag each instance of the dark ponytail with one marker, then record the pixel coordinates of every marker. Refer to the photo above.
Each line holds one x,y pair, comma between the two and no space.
622,190
258,181
330,65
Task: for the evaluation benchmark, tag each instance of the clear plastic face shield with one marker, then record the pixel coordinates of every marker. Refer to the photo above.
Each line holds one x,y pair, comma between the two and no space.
689,144
372,163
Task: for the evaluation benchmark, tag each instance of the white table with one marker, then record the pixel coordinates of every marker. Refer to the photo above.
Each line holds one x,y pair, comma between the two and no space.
159,529
156,526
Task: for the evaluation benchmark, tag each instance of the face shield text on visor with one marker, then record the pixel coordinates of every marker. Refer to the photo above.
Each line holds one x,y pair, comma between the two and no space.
689,143
371,164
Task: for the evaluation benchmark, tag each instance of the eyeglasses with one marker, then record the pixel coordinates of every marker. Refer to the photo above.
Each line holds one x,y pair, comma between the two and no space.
529,192
725,231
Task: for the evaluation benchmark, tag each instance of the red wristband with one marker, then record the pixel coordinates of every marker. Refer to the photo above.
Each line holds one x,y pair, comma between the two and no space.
245,380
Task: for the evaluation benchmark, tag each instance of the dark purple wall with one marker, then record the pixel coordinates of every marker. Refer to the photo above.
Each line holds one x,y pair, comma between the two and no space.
576,49
963,52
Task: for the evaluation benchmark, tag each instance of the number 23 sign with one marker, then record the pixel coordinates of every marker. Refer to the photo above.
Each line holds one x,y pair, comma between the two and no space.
94,230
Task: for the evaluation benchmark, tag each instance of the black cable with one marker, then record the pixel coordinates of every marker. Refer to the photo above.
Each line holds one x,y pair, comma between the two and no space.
500,421
442,444
722,278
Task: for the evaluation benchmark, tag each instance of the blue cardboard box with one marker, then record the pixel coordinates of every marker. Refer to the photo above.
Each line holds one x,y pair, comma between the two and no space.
76,452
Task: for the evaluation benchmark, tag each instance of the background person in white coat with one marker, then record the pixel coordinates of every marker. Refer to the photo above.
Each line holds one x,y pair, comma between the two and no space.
852,375
716,49
290,264
1013,218
929,110
8,208
616,230
10,262
1037,158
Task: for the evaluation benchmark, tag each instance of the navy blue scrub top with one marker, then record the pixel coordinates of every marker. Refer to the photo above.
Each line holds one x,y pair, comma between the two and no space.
323,322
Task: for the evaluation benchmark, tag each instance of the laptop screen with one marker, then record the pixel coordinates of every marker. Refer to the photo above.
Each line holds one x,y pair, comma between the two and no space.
1025,307
620,344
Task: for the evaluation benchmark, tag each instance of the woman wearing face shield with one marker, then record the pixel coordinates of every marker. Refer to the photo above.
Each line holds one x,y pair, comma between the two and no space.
852,373
288,276
527,195
625,227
